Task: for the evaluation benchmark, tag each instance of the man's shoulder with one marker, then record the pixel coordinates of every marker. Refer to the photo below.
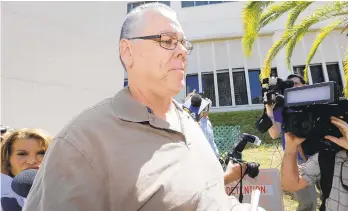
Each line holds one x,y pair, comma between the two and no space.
89,118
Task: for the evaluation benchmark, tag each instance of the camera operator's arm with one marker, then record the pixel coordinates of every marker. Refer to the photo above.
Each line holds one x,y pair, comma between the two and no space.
234,172
343,127
290,176
275,130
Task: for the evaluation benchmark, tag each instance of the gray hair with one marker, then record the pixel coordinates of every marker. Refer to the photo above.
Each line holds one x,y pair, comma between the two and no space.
133,20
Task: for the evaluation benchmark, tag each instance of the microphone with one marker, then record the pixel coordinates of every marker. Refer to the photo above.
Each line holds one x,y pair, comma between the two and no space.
195,105
23,181
196,100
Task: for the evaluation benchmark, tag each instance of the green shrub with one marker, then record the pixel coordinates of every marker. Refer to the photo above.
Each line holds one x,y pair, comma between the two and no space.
245,119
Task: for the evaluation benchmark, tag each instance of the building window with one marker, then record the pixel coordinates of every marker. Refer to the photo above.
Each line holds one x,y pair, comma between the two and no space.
192,83
133,5
224,89
333,71
165,2
208,87
199,3
187,4
317,73
240,90
215,2
298,70
255,86
125,83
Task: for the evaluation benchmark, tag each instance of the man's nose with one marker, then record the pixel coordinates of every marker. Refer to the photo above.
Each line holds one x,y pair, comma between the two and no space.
181,51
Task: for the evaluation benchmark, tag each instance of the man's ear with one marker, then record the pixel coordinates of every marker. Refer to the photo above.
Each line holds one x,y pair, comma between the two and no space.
126,53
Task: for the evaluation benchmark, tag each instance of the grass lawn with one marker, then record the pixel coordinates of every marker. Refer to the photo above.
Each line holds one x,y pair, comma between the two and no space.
263,155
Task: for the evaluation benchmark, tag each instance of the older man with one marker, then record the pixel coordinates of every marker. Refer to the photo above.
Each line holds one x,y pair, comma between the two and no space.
138,150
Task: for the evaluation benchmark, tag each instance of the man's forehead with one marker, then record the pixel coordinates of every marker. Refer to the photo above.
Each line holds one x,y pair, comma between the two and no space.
161,22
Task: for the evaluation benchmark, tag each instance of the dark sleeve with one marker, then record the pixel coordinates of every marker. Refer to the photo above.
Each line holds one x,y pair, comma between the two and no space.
277,113
10,204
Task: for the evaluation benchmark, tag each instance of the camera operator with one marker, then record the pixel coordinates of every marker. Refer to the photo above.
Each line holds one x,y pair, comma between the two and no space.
307,198
317,169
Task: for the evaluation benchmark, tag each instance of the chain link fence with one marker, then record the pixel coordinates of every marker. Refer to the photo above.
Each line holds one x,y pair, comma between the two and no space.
225,137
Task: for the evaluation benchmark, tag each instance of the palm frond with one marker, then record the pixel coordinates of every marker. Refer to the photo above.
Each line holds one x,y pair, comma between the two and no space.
251,19
294,13
290,46
345,68
345,28
298,31
275,11
320,37
266,70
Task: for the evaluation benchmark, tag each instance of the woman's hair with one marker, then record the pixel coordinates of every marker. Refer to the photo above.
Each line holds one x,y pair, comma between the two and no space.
10,137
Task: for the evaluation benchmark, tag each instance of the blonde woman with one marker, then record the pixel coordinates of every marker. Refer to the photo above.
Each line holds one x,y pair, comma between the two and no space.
20,150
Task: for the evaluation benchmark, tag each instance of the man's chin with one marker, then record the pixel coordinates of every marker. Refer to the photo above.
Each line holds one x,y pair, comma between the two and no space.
176,90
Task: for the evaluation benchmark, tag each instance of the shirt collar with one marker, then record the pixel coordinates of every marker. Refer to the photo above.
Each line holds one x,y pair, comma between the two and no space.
127,108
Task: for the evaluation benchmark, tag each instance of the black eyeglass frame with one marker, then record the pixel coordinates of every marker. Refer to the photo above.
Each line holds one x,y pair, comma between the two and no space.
153,37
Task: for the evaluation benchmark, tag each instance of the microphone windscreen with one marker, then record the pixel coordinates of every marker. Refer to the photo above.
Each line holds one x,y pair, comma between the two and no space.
23,181
196,100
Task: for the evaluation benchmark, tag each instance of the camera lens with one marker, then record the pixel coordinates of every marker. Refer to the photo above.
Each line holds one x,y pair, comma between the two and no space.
252,169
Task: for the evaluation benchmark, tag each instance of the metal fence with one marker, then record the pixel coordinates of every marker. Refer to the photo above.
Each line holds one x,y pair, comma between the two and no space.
225,137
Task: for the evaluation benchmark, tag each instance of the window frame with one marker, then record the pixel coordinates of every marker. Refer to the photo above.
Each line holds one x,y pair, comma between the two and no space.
224,71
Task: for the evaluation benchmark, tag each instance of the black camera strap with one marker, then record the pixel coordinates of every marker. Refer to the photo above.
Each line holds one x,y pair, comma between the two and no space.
240,182
327,165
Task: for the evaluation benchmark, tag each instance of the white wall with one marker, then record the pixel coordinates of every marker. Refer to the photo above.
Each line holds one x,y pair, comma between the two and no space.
58,58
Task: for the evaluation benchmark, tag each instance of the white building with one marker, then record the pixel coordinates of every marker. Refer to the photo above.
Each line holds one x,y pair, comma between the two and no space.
58,58
217,66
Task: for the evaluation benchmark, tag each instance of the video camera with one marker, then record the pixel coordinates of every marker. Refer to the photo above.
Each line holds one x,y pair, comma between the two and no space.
307,111
235,155
252,168
273,90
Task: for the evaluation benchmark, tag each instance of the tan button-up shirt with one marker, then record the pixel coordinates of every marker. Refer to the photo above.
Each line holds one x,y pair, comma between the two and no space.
118,155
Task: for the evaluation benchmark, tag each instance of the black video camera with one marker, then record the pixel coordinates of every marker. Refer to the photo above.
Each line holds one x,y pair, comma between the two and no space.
252,168
235,155
307,111
273,90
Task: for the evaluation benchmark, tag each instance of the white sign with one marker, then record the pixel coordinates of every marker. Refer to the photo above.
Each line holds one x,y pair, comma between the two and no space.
268,183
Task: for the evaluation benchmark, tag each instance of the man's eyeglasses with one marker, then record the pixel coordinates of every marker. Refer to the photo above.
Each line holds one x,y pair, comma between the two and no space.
167,41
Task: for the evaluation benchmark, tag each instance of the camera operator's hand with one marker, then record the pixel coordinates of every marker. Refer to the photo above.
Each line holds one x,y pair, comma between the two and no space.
275,130
292,142
343,127
233,173
269,109
190,95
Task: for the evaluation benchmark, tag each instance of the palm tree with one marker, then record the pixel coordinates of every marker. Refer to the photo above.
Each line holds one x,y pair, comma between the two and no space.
257,15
